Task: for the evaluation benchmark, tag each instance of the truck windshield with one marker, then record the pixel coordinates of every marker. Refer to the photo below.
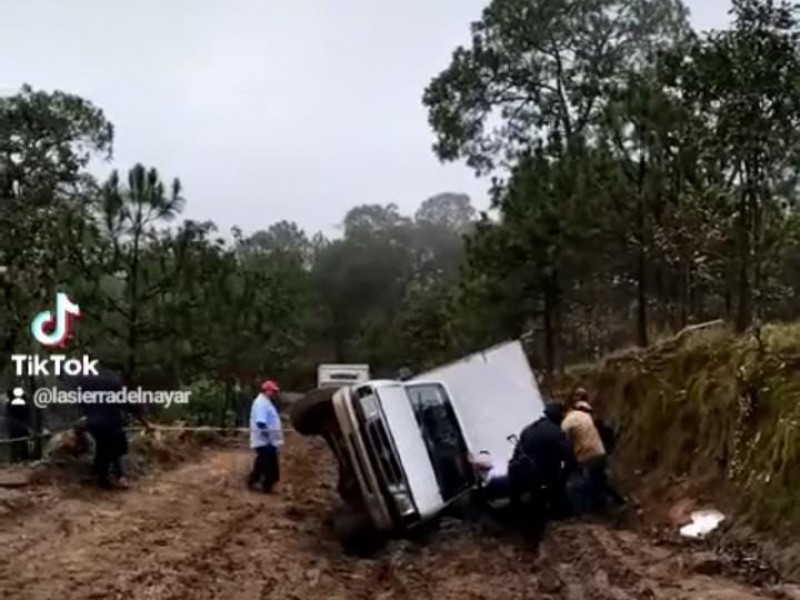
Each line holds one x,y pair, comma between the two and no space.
443,438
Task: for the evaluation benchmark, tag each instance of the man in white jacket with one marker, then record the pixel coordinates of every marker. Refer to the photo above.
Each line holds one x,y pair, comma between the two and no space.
266,438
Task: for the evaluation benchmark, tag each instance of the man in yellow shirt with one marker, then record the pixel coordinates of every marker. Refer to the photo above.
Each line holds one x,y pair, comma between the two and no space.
590,454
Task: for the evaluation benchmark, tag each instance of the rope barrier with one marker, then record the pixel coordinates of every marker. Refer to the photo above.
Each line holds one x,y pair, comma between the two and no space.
189,428
132,429
32,437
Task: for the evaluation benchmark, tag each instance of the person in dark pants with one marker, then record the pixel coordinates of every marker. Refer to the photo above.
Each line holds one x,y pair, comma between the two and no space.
18,426
105,421
266,438
538,471
594,488
596,474
111,444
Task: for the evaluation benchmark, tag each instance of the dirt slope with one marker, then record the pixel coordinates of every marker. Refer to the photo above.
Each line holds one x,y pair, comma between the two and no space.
196,533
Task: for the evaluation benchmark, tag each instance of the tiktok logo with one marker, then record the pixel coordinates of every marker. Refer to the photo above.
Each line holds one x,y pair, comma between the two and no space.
52,330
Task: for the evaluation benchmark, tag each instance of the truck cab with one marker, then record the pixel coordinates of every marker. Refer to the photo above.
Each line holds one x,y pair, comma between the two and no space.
400,448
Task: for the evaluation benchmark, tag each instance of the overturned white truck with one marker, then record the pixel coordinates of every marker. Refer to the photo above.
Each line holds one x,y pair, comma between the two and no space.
403,447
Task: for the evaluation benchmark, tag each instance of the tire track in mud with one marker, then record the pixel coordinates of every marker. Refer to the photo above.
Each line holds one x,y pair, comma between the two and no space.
196,532
97,545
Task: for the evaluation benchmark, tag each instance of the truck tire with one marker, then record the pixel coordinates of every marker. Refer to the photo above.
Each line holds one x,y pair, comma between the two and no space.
310,413
355,532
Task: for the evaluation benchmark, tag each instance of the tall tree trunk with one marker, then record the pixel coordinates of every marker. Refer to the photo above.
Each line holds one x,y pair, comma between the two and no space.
560,359
339,335
227,402
756,237
641,259
695,296
641,298
660,293
686,292
549,333
133,329
743,312
728,297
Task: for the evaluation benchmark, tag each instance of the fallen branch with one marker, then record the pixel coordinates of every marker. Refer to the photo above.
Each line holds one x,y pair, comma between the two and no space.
697,327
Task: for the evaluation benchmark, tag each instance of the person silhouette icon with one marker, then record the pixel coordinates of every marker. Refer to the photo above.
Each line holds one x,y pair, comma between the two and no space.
19,397
17,420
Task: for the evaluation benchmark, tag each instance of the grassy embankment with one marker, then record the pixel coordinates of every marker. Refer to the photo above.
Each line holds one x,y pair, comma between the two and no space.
716,411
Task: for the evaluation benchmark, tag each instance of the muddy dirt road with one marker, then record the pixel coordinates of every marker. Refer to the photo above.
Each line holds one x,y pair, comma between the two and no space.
194,532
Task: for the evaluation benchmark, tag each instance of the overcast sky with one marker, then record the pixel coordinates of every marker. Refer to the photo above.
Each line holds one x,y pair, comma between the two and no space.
266,109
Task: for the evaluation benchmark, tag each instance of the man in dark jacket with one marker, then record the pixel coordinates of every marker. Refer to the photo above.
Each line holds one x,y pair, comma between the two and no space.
538,469
105,422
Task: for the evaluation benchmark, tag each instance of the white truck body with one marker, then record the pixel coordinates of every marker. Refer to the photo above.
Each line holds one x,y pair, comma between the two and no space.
332,375
495,395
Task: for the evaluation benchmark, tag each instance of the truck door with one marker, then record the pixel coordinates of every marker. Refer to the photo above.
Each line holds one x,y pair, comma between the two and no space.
492,400
443,438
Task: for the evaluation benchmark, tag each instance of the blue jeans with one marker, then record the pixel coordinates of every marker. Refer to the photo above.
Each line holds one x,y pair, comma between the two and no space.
578,493
110,445
497,487
590,490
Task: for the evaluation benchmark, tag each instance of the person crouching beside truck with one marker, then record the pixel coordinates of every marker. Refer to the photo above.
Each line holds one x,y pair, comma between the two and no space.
539,467
266,438
106,422
594,488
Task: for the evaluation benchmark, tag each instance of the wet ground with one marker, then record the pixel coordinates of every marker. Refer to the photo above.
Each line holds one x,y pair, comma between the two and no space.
195,532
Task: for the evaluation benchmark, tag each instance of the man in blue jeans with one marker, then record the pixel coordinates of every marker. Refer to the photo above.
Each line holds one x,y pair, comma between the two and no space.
266,438
590,487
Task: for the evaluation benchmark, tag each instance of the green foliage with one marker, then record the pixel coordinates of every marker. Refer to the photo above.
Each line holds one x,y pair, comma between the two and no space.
451,211
206,405
650,173
46,142
544,68
128,216
385,269
173,303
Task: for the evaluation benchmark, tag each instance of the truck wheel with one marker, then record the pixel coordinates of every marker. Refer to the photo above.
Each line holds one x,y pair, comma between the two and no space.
355,532
310,413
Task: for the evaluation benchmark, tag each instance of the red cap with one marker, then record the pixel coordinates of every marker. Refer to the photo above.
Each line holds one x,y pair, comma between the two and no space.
269,387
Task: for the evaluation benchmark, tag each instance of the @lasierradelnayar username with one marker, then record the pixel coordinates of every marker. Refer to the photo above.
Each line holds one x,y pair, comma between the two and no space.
43,397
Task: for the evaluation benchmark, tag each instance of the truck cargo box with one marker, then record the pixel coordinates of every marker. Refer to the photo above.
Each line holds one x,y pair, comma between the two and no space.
495,395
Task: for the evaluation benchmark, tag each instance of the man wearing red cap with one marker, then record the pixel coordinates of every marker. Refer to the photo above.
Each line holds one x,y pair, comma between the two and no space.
266,438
